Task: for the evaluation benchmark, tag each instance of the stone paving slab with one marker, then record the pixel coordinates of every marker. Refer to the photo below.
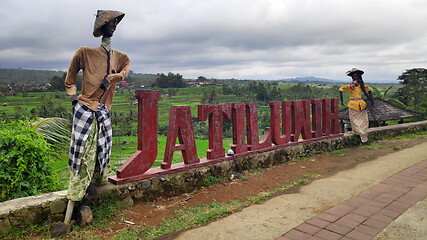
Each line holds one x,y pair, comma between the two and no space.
366,215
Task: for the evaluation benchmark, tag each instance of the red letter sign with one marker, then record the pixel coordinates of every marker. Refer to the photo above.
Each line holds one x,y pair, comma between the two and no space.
215,113
316,116
283,135
144,157
330,112
181,126
252,129
301,120
238,114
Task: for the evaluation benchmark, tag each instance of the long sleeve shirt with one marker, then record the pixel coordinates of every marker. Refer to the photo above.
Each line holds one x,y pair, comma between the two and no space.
93,62
356,102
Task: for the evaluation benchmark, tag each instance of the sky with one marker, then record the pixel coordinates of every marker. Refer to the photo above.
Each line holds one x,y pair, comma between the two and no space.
241,39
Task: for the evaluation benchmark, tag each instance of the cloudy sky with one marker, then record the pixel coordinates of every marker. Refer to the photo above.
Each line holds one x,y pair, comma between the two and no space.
243,39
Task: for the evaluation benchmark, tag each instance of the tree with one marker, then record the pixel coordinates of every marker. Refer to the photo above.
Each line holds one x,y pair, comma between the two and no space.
201,79
50,107
209,96
226,90
415,86
57,83
299,91
171,80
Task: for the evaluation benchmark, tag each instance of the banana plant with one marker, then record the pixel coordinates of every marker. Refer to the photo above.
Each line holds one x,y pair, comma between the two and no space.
379,94
382,95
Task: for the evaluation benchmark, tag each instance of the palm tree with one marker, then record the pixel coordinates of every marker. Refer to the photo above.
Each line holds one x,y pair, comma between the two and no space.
55,130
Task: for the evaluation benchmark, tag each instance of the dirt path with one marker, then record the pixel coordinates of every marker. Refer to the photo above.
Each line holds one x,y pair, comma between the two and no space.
149,214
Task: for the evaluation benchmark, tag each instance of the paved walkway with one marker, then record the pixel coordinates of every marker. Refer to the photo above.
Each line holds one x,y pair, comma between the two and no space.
368,213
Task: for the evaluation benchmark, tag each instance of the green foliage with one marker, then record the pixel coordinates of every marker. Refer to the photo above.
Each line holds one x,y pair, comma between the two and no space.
339,153
408,135
301,181
372,146
415,87
169,81
396,102
56,131
209,96
51,107
57,83
25,76
25,162
262,196
125,123
210,180
105,208
185,218
201,130
312,175
379,94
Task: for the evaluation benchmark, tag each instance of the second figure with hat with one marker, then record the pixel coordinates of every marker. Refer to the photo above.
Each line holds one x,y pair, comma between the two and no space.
357,106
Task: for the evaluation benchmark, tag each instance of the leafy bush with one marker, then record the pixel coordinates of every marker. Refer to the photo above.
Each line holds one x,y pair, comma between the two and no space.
24,161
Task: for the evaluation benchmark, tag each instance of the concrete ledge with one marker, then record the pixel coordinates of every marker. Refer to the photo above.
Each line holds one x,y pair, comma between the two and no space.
51,206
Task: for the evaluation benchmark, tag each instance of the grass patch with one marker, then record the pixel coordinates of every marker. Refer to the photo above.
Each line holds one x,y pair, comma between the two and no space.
339,153
210,180
282,188
409,135
257,172
185,218
30,231
396,148
262,196
312,175
301,181
372,146
103,210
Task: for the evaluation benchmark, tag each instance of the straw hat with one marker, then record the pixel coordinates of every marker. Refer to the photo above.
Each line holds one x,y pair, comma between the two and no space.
354,70
104,16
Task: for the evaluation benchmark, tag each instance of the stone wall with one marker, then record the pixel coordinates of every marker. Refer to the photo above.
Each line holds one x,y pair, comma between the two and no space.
51,206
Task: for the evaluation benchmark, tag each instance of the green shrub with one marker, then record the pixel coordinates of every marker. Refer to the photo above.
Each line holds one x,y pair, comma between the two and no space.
24,162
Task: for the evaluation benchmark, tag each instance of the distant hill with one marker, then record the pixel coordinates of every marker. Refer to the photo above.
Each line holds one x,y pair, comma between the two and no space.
26,76
309,79
29,76
141,77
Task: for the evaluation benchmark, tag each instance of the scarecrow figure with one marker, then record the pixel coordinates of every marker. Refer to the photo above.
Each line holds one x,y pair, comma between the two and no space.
356,106
91,139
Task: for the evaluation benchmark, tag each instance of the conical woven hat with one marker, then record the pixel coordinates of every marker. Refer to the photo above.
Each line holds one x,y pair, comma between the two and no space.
104,16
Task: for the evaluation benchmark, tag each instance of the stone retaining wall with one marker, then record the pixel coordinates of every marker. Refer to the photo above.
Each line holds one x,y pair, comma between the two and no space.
51,206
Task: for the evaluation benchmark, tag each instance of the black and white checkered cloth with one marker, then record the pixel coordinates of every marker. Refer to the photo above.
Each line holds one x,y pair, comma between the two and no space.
82,126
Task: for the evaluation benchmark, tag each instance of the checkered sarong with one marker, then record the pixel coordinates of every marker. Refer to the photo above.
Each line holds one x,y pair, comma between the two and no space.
82,126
